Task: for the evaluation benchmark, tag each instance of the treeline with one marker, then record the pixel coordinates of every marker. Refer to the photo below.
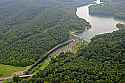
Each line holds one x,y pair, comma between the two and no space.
103,9
101,61
113,8
29,28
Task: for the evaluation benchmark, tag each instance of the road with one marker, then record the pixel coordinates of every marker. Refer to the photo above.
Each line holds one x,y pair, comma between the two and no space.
62,47
66,46
57,49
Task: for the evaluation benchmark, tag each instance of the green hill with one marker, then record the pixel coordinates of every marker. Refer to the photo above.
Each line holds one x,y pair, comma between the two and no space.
100,61
113,8
29,28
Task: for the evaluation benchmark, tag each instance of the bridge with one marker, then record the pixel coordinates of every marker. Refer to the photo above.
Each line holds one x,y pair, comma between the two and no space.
66,46
63,47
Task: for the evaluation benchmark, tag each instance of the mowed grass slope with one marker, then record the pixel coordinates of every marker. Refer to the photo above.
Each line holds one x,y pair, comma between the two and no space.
7,70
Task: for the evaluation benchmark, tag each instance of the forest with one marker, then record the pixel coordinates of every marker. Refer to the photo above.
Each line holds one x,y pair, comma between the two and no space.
29,28
100,61
112,8
28,36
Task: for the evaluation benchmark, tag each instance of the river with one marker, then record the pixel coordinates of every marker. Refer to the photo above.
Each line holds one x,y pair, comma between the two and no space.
100,25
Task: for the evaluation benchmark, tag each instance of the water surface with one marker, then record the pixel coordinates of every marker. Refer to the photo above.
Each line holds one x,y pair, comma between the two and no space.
100,25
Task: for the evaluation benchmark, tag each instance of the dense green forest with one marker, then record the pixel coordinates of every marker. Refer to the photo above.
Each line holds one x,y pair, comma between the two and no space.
100,61
103,9
115,8
29,28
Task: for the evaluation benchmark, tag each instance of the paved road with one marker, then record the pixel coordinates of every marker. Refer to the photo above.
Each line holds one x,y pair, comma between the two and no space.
49,53
24,76
63,47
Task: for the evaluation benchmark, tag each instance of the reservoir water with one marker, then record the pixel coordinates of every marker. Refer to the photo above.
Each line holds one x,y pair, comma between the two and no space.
100,25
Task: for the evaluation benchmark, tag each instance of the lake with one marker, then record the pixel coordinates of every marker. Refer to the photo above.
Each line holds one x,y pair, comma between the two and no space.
100,25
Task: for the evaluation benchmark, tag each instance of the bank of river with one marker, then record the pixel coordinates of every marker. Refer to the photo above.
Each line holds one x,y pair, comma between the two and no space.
100,25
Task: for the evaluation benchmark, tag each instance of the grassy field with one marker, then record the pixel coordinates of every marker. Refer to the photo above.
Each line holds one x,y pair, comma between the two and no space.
7,70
